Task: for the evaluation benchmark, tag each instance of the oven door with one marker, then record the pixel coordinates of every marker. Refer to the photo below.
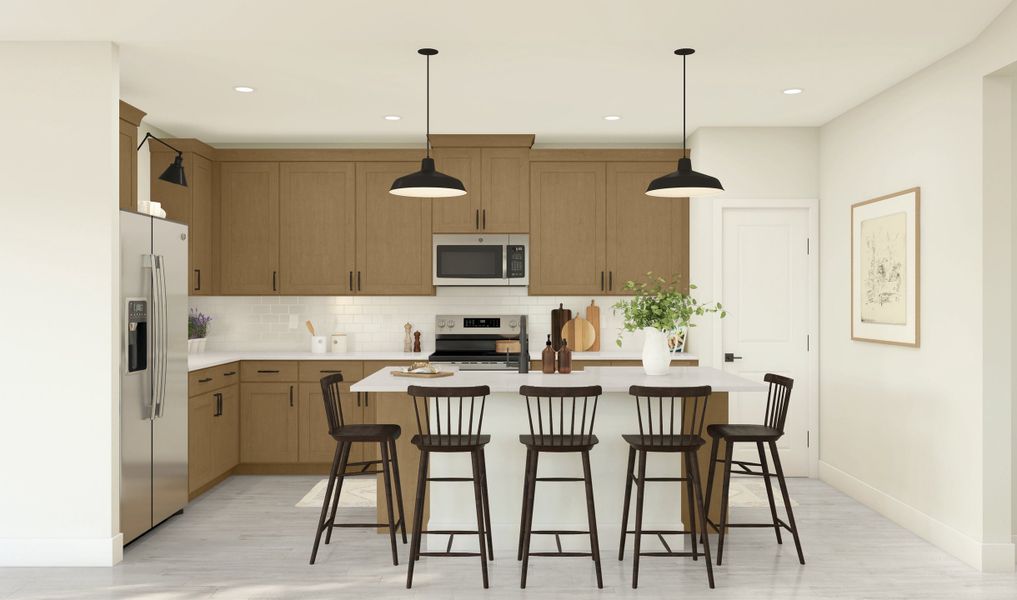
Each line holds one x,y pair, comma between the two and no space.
470,260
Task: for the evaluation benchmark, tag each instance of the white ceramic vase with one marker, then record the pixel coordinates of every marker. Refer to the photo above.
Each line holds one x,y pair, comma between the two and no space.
656,355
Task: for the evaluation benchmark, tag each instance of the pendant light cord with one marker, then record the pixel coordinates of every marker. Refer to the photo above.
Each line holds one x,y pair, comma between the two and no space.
684,108
428,104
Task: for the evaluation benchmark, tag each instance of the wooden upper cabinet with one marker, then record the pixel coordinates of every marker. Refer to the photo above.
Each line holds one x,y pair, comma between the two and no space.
175,199
130,119
393,234
317,234
567,226
505,189
644,233
199,179
460,214
249,231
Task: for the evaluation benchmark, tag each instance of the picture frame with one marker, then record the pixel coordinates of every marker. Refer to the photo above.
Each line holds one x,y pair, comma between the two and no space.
886,269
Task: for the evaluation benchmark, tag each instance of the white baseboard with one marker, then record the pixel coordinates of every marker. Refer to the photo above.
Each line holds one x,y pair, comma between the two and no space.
988,557
57,552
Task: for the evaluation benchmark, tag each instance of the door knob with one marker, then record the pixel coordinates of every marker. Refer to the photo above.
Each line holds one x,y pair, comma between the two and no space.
730,357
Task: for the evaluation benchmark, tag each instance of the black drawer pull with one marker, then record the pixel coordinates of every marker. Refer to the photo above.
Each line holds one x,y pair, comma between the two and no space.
205,380
268,370
229,373
330,371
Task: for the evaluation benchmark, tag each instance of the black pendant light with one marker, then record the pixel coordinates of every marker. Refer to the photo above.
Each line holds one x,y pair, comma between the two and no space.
175,172
427,182
684,183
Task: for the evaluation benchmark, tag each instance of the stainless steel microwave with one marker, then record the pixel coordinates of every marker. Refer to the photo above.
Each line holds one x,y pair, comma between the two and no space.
481,260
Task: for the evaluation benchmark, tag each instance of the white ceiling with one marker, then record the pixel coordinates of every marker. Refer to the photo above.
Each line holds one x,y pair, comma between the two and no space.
326,72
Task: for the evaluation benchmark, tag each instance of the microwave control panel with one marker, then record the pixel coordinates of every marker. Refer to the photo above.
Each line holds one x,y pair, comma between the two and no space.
516,261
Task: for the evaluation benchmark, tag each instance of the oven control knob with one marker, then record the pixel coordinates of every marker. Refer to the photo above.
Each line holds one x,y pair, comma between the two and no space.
513,324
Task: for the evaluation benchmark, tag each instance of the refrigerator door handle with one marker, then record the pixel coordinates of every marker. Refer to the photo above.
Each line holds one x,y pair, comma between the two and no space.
150,261
164,334
159,297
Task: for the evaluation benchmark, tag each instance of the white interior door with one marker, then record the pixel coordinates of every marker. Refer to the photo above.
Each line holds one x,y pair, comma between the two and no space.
768,292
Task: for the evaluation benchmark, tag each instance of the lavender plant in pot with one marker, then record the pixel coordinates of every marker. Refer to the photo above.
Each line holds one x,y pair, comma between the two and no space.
664,314
197,330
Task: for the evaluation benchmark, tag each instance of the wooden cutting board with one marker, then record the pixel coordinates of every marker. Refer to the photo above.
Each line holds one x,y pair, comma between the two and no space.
580,334
593,316
423,375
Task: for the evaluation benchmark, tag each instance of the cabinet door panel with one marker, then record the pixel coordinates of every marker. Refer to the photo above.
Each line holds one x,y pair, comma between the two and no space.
268,423
316,445
249,242
200,436
199,178
317,204
226,449
643,233
505,187
462,213
393,234
128,166
567,211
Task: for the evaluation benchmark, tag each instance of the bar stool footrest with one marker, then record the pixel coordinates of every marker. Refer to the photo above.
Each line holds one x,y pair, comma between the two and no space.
449,554
561,554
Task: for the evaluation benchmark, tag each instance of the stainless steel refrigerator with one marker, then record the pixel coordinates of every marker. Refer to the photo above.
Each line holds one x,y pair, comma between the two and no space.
153,380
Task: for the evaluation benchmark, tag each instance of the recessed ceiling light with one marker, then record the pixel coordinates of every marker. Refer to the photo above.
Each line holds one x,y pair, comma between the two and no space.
243,89
392,117
793,91
612,118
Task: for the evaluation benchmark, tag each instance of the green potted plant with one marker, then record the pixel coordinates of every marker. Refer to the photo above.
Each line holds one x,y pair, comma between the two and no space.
664,314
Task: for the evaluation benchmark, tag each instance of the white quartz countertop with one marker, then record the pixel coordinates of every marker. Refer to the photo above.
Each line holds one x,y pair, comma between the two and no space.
611,379
213,359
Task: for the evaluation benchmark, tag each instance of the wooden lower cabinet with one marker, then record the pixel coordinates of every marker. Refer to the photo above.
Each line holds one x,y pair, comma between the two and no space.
269,424
200,440
226,431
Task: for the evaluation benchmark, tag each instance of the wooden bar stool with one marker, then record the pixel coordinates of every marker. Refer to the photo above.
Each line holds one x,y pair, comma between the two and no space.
658,432
345,435
777,401
561,420
449,419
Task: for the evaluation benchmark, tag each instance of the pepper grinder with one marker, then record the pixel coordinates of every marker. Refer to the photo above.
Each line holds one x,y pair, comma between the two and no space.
416,341
547,358
564,358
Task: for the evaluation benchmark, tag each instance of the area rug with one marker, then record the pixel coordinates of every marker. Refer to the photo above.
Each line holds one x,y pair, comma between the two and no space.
752,494
358,492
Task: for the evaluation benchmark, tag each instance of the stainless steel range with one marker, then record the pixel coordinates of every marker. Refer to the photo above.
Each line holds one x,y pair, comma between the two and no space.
481,342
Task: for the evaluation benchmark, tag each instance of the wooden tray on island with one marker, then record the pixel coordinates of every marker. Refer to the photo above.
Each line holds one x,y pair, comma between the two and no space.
423,375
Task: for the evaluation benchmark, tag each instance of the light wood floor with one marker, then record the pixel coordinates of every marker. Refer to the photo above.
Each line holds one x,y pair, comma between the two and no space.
245,539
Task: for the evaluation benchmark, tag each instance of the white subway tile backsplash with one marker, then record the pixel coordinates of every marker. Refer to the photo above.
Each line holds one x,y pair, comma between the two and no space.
375,323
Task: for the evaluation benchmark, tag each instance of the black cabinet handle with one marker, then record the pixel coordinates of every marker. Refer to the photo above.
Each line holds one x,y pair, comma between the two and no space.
218,405
197,285
358,398
602,281
267,371
330,371
358,281
476,219
730,357
351,281
291,395
367,399
610,281
205,380
229,373
485,220
273,281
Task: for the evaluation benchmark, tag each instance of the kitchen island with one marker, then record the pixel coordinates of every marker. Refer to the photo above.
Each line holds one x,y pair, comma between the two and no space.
558,505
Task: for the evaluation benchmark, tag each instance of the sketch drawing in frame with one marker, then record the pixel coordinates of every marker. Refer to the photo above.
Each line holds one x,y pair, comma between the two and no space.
885,269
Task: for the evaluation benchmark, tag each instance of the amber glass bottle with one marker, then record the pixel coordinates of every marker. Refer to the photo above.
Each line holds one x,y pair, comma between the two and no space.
547,358
564,357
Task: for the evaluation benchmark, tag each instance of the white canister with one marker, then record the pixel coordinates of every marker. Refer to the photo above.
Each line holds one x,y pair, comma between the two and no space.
339,343
319,344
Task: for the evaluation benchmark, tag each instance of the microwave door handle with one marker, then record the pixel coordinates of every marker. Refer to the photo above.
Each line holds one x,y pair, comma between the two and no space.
504,263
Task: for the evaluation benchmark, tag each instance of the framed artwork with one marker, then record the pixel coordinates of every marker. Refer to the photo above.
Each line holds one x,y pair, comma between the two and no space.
885,269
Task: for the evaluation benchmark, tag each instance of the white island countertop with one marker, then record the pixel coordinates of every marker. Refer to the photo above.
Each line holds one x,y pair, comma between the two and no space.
205,360
611,379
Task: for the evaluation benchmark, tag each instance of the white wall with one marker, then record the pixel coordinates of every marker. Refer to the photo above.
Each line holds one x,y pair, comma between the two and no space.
59,240
752,163
921,434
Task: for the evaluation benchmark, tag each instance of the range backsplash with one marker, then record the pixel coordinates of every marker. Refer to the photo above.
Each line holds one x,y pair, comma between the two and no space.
375,323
